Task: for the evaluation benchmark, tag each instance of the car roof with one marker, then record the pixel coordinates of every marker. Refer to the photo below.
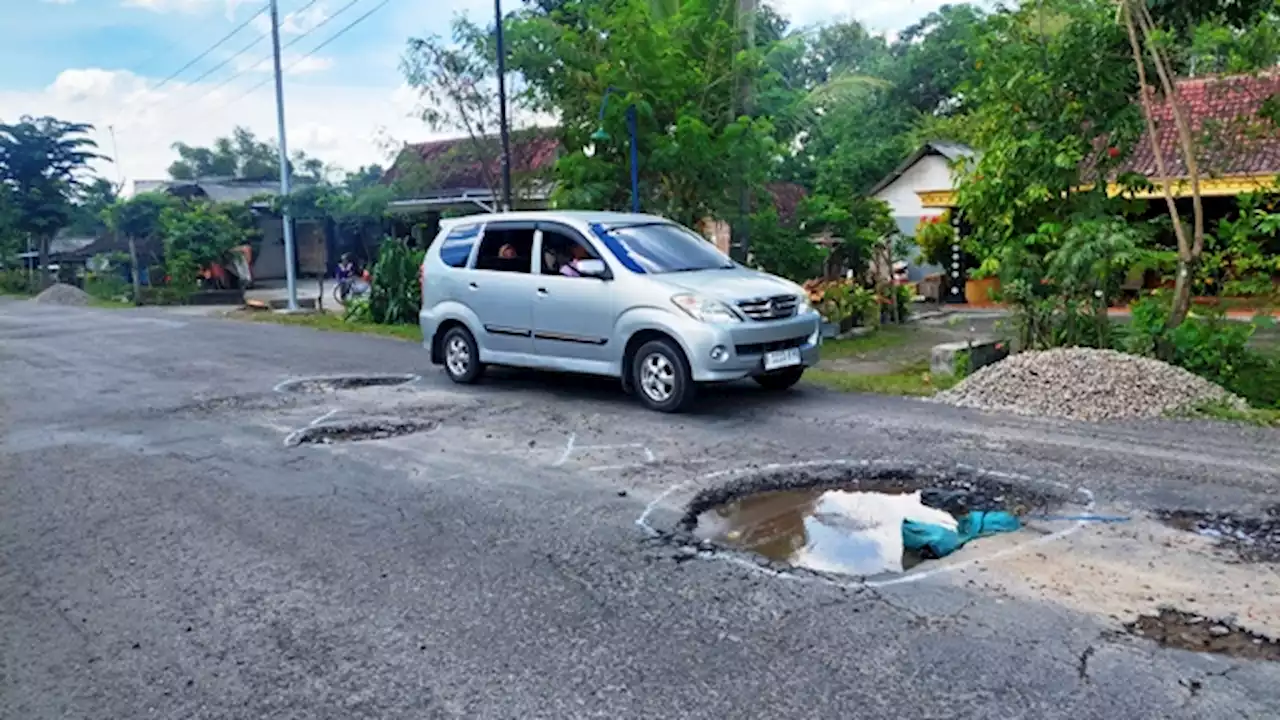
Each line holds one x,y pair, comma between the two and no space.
610,219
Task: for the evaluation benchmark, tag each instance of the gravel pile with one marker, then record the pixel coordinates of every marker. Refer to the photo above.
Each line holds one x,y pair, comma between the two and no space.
1084,384
63,294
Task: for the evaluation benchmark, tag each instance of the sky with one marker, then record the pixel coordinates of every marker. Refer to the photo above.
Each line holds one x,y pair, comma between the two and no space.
119,65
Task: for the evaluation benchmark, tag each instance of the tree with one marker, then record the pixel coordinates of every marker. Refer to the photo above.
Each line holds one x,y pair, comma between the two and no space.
138,219
242,156
455,79
43,163
93,200
679,73
935,56
196,236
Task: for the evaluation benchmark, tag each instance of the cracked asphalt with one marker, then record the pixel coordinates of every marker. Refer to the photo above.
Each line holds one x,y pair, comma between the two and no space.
165,553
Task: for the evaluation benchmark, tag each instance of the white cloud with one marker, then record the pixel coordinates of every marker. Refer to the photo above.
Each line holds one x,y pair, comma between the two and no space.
294,23
292,64
58,2
343,125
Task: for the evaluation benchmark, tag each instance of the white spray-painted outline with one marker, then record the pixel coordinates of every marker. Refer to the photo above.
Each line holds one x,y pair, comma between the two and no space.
571,447
408,378
568,450
323,417
916,576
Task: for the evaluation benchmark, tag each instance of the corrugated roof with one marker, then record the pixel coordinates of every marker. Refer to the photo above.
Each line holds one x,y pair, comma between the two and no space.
950,150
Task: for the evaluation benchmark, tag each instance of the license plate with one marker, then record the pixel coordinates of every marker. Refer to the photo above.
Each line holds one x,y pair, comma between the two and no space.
781,359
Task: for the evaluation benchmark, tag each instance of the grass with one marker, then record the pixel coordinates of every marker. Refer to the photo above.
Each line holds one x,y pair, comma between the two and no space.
1222,411
332,323
888,336
912,380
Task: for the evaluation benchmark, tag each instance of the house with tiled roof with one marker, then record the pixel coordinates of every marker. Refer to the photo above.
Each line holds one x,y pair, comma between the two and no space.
1237,151
466,173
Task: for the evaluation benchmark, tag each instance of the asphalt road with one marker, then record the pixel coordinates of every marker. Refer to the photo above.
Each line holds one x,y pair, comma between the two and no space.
164,553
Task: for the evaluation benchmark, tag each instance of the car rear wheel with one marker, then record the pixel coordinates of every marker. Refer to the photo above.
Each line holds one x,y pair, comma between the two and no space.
781,380
461,356
661,377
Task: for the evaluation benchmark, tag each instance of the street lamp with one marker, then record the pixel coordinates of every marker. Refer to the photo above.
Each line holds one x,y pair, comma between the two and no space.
602,136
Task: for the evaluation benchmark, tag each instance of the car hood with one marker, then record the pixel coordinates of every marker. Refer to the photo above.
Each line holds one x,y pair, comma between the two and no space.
728,285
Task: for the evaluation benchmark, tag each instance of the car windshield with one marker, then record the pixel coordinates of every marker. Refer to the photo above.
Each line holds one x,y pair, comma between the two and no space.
663,248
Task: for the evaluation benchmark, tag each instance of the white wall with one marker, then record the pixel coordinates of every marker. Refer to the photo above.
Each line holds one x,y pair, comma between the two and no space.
930,173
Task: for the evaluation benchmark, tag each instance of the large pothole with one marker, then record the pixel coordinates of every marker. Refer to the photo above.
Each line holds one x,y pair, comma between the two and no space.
334,383
358,430
861,520
1253,539
1188,631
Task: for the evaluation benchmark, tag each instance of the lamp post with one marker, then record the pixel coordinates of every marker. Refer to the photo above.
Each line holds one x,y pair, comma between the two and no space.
601,136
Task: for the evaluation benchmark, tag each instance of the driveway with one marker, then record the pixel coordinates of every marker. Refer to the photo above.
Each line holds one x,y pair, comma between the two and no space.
177,543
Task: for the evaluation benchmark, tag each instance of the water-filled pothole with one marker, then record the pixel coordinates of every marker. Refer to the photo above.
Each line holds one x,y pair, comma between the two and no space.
1253,539
335,383
358,430
1188,631
849,519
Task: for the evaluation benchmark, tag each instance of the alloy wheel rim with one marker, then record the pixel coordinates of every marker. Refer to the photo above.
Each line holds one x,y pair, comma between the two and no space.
458,356
657,377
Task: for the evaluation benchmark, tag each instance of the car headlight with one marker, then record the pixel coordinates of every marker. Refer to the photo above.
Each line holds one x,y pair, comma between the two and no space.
705,309
804,307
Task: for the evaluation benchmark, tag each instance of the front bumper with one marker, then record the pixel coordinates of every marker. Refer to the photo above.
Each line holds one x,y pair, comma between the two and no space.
740,347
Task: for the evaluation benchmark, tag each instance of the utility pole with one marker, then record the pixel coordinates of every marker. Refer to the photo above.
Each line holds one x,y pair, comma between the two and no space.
741,236
503,130
290,273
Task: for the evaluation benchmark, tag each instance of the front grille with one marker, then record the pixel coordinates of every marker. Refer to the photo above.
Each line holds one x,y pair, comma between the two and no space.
771,308
762,348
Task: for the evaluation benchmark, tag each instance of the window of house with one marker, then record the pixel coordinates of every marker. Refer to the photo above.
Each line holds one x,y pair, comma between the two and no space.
560,250
506,249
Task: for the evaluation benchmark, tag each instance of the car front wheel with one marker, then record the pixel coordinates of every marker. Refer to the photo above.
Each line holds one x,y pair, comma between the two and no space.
781,380
661,377
461,356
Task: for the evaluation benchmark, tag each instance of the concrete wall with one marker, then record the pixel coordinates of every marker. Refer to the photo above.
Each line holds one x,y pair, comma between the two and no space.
930,173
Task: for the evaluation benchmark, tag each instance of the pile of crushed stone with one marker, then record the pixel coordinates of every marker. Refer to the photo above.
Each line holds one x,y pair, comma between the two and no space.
1085,384
63,294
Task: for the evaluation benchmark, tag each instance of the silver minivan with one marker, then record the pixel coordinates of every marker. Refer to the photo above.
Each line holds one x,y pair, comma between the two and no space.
636,297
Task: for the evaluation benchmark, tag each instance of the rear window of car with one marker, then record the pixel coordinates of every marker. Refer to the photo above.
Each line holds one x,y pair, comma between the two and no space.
456,248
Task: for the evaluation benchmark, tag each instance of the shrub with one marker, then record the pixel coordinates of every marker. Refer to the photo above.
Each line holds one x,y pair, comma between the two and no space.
107,287
1209,345
16,282
935,236
395,295
841,300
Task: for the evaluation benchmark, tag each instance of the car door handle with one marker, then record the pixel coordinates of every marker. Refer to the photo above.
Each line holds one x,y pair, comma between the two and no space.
542,292
473,286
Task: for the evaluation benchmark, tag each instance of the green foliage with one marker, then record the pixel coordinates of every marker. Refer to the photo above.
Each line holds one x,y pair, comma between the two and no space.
935,235
139,216
783,250
1209,345
108,286
1243,256
18,282
395,296
91,203
680,72
195,236
42,166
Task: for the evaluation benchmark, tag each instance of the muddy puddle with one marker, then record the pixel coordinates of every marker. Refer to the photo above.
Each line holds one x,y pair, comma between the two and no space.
1253,539
847,520
1188,631
342,382
848,533
357,431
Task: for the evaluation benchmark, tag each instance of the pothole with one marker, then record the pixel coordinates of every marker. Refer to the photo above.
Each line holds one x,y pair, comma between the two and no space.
860,520
357,431
1253,539
1188,631
335,383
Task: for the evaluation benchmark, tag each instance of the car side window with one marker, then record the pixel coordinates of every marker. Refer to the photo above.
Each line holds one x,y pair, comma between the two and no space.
506,249
455,250
560,251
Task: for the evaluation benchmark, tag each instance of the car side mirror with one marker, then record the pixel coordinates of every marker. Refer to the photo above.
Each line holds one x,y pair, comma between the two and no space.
592,268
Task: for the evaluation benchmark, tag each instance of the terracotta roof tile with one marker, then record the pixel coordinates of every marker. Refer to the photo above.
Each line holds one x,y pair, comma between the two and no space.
1223,110
457,164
